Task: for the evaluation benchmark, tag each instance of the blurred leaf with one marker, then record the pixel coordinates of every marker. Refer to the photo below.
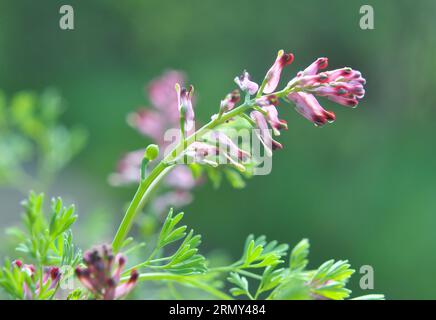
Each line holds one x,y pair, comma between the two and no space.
298,259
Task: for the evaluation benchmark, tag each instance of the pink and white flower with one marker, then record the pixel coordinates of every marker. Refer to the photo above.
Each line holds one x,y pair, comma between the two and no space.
343,86
244,82
273,74
186,109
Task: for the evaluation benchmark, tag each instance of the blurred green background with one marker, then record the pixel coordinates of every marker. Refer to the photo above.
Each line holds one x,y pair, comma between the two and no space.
362,188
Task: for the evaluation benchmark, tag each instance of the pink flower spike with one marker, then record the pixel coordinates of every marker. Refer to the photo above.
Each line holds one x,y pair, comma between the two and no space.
273,74
307,105
185,107
244,82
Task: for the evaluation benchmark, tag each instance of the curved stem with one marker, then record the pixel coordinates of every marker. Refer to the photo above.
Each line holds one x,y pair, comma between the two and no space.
138,202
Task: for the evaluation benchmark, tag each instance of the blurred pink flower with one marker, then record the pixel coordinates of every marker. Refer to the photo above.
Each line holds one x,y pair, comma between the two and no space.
128,169
180,178
163,96
49,280
150,123
102,274
164,114
153,122
178,198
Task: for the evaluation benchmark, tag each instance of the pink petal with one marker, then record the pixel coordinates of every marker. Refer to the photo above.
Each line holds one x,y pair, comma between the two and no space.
244,82
273,74
307,105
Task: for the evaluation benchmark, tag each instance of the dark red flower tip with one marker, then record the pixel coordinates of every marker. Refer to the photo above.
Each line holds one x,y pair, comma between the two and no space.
347,72
330,116
322,63
18,263
121,261
319,120
286,58
54,273
79,272
110,283
235,96
352,102
134,275
273,100
276,145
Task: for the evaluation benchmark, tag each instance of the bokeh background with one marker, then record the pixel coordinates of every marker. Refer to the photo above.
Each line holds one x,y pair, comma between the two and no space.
363,188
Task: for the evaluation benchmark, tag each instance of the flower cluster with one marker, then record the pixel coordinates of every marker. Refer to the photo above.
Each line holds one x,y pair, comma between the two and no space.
48,281
343,86
174,108
102,274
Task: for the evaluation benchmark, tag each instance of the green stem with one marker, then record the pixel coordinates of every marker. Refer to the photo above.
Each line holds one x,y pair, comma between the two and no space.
186,280
138,202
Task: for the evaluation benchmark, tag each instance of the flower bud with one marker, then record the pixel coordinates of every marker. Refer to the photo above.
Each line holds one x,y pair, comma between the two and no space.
151,152
273,75
244,82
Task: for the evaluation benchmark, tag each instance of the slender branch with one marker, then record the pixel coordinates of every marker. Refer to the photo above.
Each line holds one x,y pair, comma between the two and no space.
185,280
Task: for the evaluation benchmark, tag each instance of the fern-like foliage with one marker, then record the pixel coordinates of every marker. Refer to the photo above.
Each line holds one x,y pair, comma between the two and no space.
264,270
45,250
